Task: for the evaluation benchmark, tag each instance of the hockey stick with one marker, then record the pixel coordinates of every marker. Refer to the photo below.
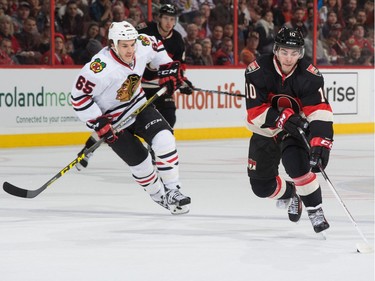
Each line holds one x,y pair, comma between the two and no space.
360,248
203,90
25,193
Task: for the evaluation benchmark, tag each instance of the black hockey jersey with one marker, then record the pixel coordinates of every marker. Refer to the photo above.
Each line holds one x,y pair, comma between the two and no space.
269,91
174,45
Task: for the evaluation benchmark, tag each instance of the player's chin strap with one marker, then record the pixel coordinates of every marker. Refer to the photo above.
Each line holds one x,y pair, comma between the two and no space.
199,90
303,135
25,193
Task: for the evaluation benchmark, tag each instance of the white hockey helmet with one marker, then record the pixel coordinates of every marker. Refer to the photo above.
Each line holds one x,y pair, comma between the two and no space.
121,31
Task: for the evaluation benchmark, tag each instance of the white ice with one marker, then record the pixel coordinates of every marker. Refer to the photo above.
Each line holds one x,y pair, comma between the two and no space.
99,225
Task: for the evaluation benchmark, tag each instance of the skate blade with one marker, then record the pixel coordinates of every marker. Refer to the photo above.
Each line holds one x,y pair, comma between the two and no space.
322,235
179,210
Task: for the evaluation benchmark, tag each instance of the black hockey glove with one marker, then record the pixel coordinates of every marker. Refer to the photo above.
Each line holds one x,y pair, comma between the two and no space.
170,77
290,122
319,153
102,126
187,87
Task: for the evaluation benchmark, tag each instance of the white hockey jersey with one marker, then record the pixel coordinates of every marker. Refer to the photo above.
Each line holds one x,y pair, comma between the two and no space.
107,85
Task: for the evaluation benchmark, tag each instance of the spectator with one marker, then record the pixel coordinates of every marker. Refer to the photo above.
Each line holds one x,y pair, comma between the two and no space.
29,39
361,18
101,10
72,22
7,31
249,53
60,56
244,20
7,56
205,11
255,11
266,30
350,23
136,15
329,5
228,30
222,13
355,57
298,21
206,52
195,57
23,12
350,9
224,56
217,37
43,18
321,52
369,9
334,41
92,48
198,20
118,13
359,40
327,26
191,38
92,32
35,7
278,18
287,10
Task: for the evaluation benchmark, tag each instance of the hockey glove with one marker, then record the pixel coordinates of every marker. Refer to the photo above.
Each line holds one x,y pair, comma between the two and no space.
290,122
170,77
187,87
102,126
319,153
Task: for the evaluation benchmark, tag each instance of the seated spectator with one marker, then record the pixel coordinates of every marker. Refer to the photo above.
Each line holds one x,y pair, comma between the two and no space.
250,53
23,12
191,37
355,57
327,26
206,52
265,28
255,11
298,20
72,22
29,39
118,13
349,25
7,31
358,39
43,18
195,57
35,8
198,20
337,44
101,10
60,56
136,15
7,56
93,32
222,13
205,12
321,52
217,37
92,48
224,56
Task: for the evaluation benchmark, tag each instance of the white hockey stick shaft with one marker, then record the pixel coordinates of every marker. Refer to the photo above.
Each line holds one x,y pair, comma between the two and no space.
333,189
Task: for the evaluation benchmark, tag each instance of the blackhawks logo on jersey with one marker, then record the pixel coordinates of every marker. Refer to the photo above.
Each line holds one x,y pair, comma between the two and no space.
144,40
313,70
128,88
97,66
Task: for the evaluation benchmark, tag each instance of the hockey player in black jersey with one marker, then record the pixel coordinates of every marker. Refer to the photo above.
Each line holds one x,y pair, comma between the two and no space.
285,92
172,40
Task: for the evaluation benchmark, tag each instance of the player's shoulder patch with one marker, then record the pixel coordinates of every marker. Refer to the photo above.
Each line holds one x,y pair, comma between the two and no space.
312,69
145,40
141,26
252,67
97,65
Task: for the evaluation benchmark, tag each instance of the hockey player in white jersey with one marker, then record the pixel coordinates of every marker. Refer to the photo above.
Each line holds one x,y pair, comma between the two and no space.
108,89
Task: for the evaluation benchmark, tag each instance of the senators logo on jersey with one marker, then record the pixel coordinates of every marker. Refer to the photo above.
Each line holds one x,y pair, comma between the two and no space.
128,88
313,70
253,66
97,66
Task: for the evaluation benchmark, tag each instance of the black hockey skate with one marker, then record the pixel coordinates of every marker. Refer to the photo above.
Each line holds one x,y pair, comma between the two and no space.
317,219
295,208
177,202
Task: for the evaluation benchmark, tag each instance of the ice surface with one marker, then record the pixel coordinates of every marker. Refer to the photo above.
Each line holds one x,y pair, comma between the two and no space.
99,225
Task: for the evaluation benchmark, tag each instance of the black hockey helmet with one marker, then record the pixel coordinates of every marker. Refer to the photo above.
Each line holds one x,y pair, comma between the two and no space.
289,38
168,9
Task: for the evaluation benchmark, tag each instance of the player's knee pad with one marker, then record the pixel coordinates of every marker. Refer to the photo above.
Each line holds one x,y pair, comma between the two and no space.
306,184
163,142
263,188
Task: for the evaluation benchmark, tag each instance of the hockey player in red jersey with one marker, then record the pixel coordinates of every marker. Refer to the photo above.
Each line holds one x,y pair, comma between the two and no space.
108,89
285,92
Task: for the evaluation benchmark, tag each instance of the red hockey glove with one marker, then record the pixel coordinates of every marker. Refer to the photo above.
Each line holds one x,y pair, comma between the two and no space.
319,153
102,126
290,121
187,87
170,77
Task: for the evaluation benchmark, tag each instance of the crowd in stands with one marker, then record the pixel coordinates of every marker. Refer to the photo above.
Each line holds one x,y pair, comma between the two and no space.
345,29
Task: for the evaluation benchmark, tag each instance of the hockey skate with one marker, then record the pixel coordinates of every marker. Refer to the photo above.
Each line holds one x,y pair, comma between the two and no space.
317,219
177,202
295,208
283,203
159,198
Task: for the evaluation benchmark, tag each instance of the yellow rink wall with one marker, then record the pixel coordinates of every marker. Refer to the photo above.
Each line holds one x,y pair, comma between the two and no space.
77,138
